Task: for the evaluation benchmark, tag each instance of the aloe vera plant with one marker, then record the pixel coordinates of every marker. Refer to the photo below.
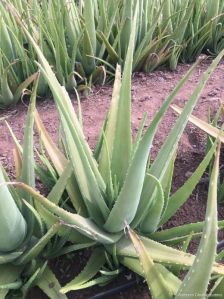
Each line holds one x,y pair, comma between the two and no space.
115,188
84,40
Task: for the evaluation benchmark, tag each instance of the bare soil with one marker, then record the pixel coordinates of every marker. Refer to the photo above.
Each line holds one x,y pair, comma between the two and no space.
148,93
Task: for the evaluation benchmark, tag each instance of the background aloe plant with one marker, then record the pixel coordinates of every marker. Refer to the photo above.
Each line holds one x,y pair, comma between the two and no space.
84,40
115,188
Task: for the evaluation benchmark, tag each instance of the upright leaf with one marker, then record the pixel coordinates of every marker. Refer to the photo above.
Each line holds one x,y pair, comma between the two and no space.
197,279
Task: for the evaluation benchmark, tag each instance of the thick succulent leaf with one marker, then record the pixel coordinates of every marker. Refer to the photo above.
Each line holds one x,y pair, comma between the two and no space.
36,249
134,265
50,219
70,248
139,133
9,274
39,270
162,254
93,266
101,281
13,226
49,284
60,186
6,98
83,225
197,279
90,23
180,233
183,193
218,289
209,129
87,182
9,257
167,182
18,162
107,142
162,161
118,130
128,199
39,225
157,284
59,161
28,164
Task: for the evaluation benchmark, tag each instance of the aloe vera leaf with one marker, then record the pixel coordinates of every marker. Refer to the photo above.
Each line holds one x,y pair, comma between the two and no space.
93,266
23,86
49,284
28,164
18,162
50,219
209,129
60,162
9,274
197,278
218,289
92,196
79,223
161,254
128,199
60,186
9,257
13,227
88,14
110,128
181,232
183,193
38,247
158,286
118,129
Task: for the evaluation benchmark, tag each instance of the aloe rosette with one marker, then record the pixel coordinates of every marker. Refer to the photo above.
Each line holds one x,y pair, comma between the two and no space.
116,190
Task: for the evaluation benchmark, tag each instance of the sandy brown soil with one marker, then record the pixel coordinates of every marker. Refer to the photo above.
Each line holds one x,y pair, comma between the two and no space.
148,91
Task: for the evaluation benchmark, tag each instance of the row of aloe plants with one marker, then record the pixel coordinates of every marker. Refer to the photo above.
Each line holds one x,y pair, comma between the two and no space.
113,201
84,40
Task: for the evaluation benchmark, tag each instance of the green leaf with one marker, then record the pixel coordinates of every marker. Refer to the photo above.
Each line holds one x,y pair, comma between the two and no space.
161,253
118,129
183,193
180,233
79,223
28,164
59,161
9,274
60,186
197,279
93,266
209,129
13,226
49,284
36,249
158,286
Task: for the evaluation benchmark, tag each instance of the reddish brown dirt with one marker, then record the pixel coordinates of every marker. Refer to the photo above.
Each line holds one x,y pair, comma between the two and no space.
148,93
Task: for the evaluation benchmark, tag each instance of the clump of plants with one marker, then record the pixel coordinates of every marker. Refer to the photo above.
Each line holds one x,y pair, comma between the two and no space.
119,199
84,40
